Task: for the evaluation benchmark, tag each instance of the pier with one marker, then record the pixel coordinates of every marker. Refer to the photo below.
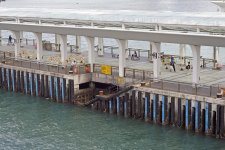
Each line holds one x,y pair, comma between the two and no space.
114,80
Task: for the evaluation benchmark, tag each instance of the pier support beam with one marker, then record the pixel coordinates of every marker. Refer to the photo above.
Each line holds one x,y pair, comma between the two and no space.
78,44
122,59
63,42
39,46
17,42
196,64
91,48
156,48
100,47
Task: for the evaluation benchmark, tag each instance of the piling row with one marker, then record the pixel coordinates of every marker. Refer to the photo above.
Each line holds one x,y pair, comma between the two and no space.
40,85
192,115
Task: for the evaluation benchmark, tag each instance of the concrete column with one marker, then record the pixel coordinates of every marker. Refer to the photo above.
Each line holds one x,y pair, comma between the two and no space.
63,49
91,48
39,46
57,39
100,47
196,64
78,44
156,48
182,53
17,42
122,59
126,45
215,55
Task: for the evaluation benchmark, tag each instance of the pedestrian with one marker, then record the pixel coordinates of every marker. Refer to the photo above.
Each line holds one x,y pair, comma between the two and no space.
172,63
10,39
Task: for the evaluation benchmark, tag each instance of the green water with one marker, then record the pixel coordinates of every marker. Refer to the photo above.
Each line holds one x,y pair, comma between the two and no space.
33,123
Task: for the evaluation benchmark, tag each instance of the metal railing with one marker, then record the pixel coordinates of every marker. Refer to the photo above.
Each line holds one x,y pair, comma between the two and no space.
44,66
188,88
138,74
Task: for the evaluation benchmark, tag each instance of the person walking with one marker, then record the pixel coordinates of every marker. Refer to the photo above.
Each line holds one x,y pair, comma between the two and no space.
172,63
10,39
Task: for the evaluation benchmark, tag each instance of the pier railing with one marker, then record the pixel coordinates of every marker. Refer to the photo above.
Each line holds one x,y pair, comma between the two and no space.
44,66
136,74
195,89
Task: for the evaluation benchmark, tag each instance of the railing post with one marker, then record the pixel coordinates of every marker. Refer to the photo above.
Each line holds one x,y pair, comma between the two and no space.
210,91
162,84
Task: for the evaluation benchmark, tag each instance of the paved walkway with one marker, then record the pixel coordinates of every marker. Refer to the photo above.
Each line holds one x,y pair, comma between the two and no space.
207,76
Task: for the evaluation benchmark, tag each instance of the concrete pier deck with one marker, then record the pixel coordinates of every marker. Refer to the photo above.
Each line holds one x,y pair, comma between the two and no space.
207,76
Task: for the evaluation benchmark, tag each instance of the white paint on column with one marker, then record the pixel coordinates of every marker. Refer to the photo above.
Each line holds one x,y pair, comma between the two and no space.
122,60
156,48
196,64
39,46
63,50
91,47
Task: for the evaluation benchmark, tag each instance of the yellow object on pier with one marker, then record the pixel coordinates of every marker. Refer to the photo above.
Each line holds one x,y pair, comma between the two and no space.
106,69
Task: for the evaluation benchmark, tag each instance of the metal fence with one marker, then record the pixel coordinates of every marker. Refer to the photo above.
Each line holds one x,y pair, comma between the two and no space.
43,66
195,89
128,72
